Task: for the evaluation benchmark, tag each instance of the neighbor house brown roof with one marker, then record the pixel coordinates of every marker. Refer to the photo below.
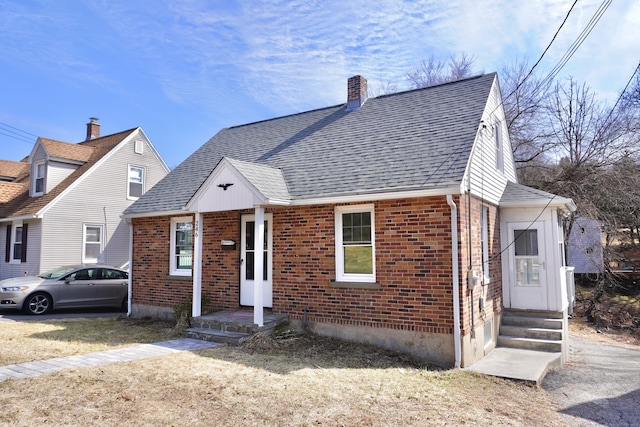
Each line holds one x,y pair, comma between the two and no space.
13,170
15,201
65,150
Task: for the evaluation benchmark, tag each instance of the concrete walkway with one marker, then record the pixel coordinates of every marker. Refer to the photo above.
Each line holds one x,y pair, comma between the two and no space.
127,354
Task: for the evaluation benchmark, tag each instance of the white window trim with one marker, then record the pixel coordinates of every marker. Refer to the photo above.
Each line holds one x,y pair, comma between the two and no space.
173,270
14,228
144,179
341,276
86,260
35,178
484,223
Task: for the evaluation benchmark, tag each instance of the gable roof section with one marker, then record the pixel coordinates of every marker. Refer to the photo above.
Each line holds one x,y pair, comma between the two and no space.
21,205
414,140
68,151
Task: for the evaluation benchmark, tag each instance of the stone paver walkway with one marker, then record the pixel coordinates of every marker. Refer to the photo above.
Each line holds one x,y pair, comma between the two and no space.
127,354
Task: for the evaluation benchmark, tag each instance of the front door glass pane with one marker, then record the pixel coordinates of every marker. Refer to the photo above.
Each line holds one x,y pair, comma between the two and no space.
250,250
527,259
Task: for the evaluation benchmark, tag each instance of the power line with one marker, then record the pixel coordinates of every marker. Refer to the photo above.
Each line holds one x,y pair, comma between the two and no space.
545,51
15,133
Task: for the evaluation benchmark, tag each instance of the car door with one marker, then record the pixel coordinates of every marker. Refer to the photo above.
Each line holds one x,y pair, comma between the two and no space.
111,287
78,289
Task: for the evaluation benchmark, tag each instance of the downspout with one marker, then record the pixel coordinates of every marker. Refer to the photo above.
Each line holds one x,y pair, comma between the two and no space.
456,281
130,282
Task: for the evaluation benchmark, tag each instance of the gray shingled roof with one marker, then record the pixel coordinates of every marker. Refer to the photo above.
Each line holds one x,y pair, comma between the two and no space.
520,195
418,139
268,180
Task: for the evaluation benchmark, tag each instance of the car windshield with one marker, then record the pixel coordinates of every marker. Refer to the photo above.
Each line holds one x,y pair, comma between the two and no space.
57,272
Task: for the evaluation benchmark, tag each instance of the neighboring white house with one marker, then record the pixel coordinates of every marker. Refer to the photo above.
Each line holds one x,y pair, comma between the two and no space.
584,250
62,204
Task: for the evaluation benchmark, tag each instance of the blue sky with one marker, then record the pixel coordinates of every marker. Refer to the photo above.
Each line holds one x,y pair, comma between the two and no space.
183,70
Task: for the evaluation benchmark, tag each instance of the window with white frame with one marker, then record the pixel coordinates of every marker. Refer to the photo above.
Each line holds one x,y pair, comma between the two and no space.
497,130
484,221
135,187
355,244
39,170
17,242
181,246
93,243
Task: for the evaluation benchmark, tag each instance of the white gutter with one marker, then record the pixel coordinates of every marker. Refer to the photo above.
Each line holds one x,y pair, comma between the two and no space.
130,284
456,281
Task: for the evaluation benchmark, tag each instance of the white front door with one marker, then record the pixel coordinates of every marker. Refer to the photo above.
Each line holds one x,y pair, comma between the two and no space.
527,266
247,256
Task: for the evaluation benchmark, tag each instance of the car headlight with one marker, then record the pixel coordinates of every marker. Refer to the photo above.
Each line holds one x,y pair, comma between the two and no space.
14,288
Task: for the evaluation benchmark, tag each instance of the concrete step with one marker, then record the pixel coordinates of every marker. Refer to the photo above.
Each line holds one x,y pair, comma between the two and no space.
213,335
531,332
533,313
537,344
508,319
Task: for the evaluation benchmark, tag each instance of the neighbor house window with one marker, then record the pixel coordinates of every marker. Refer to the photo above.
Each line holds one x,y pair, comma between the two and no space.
16,247
92,247
355,254
181,246
38,181
136,182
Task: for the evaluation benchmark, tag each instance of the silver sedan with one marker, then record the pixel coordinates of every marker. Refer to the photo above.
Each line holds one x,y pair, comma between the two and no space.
66,287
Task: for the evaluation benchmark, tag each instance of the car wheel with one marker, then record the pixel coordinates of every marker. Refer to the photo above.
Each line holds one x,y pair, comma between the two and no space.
39,303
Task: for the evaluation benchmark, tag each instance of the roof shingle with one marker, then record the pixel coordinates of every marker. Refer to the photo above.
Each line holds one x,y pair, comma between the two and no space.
409,140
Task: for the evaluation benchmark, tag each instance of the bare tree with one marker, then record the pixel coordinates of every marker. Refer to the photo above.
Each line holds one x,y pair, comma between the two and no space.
435,71
524,98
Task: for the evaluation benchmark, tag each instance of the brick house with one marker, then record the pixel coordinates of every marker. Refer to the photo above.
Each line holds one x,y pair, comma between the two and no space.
380,220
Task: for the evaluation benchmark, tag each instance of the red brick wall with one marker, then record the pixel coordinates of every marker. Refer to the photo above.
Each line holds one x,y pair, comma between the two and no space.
470,243
413,265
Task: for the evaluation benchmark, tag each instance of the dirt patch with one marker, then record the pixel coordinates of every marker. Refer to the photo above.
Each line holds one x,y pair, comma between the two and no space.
612,317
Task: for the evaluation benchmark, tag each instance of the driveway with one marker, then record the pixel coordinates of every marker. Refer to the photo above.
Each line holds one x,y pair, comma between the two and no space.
600,385
85,313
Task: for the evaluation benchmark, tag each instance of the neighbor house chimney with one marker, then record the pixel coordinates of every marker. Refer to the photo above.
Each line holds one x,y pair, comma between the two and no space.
356,92
93,129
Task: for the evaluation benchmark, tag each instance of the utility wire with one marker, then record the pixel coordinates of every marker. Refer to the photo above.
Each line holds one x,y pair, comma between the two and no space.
15,133
545,51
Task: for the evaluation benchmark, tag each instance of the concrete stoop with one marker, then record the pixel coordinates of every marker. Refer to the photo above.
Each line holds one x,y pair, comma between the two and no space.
531,330
231,327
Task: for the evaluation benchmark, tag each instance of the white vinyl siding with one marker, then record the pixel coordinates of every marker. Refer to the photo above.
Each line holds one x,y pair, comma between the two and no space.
58,172
489,168
99,197
31,266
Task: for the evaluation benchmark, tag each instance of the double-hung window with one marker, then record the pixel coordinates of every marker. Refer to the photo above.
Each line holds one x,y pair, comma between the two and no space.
135,186
17,243
92,247
181,246
355,244
38,182
16,248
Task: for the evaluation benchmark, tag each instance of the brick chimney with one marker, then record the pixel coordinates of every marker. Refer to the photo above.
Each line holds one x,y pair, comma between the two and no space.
356,92
93,129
